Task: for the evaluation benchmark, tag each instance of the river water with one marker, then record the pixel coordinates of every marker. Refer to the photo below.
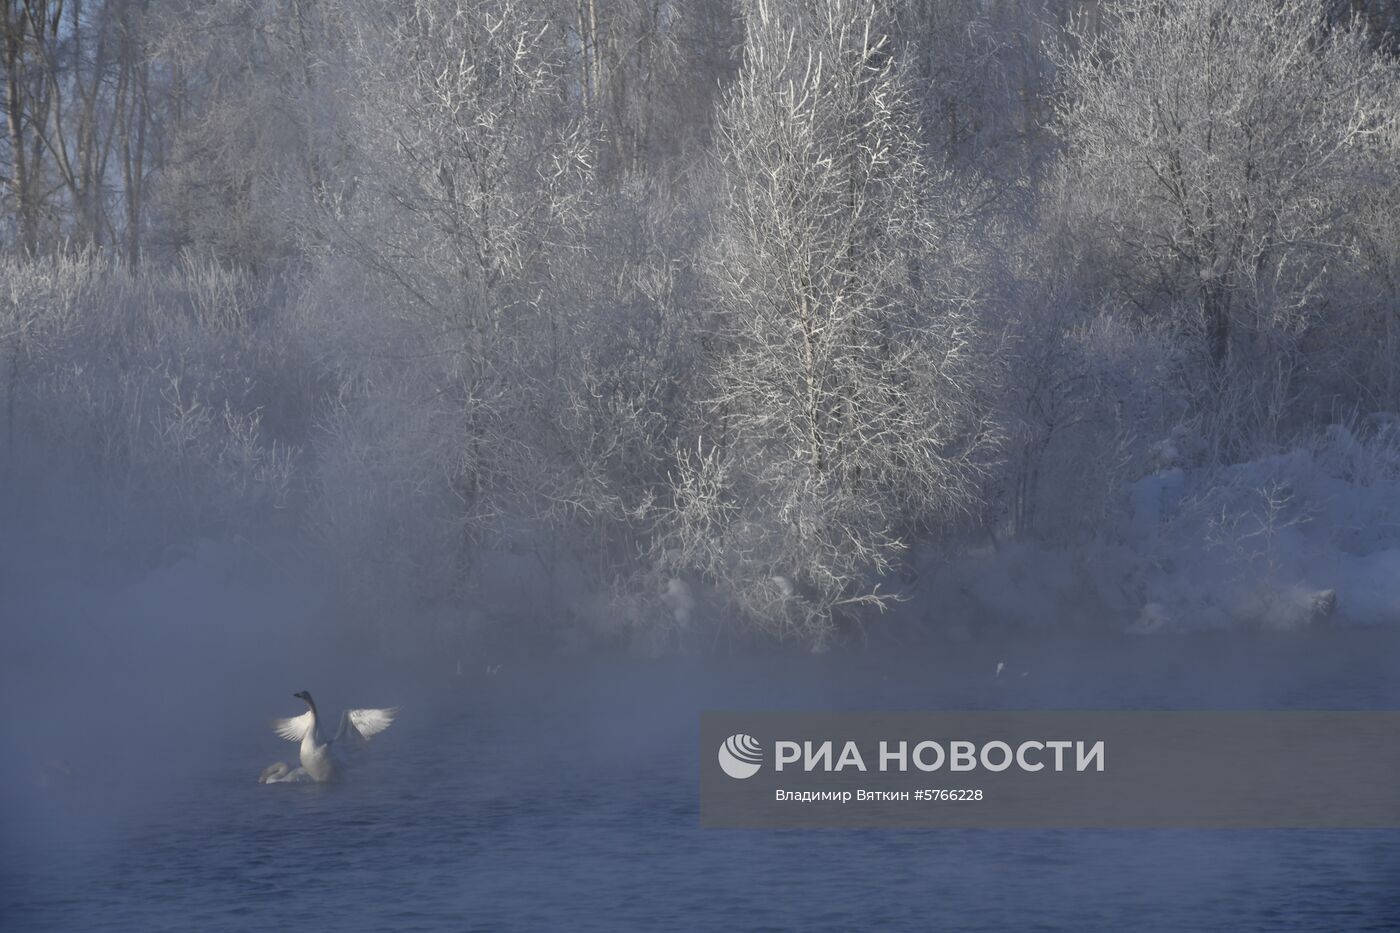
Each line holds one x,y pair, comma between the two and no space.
564,795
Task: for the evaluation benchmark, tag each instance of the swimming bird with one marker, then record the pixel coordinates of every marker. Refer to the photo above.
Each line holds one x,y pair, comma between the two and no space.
279,773
323,759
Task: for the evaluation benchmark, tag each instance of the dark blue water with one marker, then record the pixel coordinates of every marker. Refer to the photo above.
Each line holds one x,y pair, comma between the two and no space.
565,796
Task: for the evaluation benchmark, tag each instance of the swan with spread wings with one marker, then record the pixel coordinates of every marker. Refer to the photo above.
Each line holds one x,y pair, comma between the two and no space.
323,759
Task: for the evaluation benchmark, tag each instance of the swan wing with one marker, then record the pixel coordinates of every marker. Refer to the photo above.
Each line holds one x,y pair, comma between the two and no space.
295,728
364,723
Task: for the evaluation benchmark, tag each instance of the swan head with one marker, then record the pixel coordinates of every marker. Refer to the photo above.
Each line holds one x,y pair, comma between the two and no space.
305,697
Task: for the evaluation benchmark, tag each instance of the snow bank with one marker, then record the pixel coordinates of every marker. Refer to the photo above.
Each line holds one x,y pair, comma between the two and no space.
1296,539
1305,537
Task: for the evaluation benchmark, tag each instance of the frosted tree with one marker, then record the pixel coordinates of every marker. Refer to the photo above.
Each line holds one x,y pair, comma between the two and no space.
256,111
981,75
465,114
841,392
648,74
1216,151
469,175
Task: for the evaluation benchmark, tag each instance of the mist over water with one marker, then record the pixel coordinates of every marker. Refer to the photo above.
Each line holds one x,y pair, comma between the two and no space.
561,791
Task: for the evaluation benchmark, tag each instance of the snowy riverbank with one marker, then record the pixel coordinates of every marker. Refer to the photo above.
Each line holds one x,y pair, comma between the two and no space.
1306,537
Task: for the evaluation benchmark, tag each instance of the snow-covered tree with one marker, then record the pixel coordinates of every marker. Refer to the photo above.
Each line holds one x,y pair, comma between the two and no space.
467,191
255,119
1216,151
841,389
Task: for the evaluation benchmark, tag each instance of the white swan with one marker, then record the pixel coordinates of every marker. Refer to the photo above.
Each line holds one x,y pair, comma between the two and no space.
322,759
279,773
